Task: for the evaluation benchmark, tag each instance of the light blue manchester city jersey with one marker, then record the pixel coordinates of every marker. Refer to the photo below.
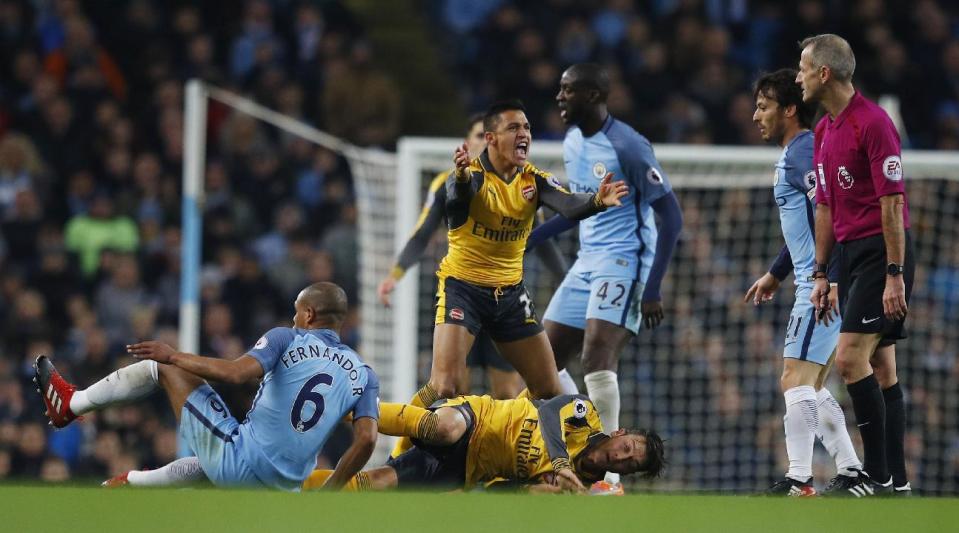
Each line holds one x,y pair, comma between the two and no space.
311,381
795,192
620,241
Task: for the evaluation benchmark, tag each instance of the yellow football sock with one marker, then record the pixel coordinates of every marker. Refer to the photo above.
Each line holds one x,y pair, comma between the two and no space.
359,482
403,420
423,398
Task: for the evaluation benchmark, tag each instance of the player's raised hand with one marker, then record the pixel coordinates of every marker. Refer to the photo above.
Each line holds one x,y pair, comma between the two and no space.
652,313
569,481
158,351
461,158
385,288
610,192
763,290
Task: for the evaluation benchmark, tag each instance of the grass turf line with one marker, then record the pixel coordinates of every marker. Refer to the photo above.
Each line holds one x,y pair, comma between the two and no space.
75,510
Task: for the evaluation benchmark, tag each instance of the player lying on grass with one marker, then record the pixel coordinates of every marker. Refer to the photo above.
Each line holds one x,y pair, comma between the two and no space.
310,381
468,440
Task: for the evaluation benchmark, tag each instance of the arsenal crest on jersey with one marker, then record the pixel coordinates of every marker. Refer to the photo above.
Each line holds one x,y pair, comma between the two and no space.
529,192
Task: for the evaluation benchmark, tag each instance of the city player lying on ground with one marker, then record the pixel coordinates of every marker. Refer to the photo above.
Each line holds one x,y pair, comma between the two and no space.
470,440
310,381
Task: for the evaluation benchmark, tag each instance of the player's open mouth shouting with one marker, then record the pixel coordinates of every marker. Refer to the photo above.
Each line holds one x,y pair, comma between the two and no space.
522,150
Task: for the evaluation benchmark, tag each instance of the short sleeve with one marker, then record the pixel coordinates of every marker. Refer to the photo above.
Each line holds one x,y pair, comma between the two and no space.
547,180
638,161
799,167
822,193
270,346
881,141
369,403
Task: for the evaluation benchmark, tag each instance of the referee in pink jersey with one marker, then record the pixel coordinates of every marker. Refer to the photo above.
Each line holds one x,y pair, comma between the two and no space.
861,207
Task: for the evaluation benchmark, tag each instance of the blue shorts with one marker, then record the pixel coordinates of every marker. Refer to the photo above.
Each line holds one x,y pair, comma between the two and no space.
805,339
209,429
585,295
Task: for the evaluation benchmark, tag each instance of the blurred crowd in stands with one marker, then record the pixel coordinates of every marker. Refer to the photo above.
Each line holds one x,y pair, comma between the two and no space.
682,69
91,146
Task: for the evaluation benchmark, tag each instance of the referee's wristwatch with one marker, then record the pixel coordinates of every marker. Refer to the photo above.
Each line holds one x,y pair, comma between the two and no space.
820,271
893,269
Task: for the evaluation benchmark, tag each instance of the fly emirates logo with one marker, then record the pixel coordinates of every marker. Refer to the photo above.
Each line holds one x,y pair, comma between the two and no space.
510,230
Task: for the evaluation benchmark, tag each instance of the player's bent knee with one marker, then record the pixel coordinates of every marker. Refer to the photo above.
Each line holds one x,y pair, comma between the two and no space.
171,376
599,354
852,368
450,426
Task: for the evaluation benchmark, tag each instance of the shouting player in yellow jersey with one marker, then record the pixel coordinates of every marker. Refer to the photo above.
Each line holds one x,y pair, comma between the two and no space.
490,205
469,440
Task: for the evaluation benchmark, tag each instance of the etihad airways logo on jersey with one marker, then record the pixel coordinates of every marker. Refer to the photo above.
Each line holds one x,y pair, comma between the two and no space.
509,232
845,178
527,455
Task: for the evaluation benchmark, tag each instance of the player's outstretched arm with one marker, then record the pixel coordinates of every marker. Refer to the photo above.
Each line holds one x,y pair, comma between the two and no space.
431,216
357,455
577,206
240,370
549,229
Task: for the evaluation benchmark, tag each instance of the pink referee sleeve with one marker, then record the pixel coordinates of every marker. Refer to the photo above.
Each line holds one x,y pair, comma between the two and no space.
883,147
822,195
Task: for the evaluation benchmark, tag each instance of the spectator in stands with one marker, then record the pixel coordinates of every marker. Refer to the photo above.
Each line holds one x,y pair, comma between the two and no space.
89,234
361,104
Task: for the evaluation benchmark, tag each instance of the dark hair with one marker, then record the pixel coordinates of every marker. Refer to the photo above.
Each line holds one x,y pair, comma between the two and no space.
591,76
655,461
492,116
473,119
781,86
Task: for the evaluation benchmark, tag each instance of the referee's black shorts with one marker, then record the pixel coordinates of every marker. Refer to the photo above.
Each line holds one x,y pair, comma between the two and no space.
862,280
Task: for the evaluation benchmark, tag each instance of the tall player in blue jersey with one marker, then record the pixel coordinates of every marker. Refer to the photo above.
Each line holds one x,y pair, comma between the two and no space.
811,411
310,380
622,257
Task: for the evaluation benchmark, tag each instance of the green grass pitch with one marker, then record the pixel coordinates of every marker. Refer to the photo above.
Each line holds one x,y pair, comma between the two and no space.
74,509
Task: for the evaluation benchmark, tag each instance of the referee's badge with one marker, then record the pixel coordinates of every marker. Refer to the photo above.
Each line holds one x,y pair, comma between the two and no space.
599,170
846,180
892,168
